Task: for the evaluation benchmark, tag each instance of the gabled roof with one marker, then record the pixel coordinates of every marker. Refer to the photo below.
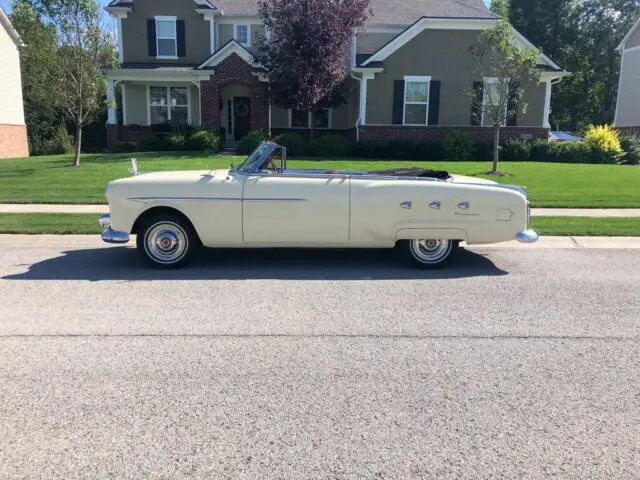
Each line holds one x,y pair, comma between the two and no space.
626,38
425,23
229,48
6,24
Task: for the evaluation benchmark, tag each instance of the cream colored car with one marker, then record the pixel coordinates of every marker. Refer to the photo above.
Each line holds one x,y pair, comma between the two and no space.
261,203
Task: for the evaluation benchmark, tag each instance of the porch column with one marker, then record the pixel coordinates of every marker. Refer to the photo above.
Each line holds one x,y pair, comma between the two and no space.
547,105
111,110
363,98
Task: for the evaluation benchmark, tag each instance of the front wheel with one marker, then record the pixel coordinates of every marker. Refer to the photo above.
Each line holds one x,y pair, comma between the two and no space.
167,241
428,253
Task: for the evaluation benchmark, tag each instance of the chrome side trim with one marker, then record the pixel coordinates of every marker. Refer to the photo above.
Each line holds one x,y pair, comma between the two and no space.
407,205
188,199
284,200
528,236
435,205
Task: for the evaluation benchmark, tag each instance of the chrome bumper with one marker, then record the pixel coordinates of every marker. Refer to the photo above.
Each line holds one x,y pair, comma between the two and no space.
111,236
528,236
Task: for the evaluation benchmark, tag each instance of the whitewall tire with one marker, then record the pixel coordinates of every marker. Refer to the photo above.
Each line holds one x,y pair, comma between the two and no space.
429,253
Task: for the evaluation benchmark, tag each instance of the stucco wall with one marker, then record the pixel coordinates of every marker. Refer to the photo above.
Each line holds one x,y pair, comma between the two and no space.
134,30
442,55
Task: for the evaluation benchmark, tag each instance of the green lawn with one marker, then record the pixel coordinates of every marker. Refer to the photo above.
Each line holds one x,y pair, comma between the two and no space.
51,180
86,223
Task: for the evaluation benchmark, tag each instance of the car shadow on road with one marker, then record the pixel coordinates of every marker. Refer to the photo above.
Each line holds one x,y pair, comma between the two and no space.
247,264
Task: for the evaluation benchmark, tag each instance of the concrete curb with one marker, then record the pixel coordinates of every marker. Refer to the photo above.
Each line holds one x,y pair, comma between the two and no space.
94,241
536,212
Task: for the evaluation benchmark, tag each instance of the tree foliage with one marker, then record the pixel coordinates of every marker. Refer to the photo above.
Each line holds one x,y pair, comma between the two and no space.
581,36
512,69
306,49
500,7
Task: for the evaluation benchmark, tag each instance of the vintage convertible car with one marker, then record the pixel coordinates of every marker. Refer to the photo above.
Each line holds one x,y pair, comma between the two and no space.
425,214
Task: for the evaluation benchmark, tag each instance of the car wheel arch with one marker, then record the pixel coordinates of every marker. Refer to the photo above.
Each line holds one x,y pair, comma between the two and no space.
159,211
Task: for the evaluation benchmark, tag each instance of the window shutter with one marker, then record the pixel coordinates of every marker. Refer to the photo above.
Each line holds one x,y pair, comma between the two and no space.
181,38
476,111
434,102
398,102
512,113
151,37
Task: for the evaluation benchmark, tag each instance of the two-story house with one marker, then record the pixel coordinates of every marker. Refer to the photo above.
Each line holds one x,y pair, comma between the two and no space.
197,62
627,117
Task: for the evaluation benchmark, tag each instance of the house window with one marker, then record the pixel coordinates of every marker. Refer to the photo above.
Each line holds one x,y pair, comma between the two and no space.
416,100
242,35
169,105
492,92
302,119
166,37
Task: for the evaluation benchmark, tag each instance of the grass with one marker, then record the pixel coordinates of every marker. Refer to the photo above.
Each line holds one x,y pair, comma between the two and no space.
49,179
54,223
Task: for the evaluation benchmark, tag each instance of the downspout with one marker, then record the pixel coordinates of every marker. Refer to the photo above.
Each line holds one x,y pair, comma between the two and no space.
359,109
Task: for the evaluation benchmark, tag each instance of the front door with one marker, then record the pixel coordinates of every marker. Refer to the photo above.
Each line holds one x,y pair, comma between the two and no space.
241,117
283,210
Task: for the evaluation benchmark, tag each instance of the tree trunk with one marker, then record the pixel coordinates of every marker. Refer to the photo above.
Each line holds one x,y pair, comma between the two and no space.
76,160
312,132
496,149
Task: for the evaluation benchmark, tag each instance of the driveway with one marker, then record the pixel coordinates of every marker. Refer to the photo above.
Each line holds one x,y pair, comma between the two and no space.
312,364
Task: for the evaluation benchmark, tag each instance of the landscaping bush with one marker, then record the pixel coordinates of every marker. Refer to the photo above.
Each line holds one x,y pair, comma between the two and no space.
366,149
631,146
483,151
60,142
331,146
516,151
203,140
250,142
428,151
604,143
175,143
150,143
294,143
123,147
457,147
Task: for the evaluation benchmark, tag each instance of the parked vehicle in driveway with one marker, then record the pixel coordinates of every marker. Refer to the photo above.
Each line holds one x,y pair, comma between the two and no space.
424,214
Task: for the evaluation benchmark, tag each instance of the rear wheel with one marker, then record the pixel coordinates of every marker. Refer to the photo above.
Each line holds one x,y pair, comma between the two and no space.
429,253
167,241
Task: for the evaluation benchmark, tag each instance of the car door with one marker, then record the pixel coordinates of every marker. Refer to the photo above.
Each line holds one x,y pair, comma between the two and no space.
295,210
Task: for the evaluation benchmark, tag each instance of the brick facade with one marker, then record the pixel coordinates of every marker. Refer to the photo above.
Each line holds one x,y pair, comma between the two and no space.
234,71
13,141
384,133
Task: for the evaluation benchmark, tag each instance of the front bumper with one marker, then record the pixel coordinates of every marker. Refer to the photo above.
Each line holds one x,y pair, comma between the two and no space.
528,236
109,235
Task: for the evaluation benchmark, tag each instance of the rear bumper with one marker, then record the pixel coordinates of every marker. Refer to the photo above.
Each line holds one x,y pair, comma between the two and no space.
109,235
528,236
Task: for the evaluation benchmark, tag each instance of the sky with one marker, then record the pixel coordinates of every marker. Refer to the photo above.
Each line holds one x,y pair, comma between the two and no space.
6,4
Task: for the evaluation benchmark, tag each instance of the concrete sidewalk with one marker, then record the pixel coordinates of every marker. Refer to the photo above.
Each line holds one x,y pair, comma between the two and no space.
94,241
536,212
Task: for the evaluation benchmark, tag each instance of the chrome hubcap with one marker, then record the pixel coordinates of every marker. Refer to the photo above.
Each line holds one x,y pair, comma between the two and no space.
166,242
430,250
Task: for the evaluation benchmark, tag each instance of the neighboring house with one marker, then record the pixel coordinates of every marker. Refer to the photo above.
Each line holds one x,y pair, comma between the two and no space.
13,132
197,61
627,116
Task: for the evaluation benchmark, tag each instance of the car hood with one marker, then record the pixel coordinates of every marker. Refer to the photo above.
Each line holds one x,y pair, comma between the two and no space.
466,179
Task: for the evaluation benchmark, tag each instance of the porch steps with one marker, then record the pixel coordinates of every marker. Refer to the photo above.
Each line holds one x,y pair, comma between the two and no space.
229,148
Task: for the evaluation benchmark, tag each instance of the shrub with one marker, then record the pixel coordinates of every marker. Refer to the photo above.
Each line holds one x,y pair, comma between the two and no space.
366,149
250,142
331,146
149,143
174,143
631,146
428,151
516,151
203,140
540,151
123,147
294,143
483,151
58,143
457,147
604,143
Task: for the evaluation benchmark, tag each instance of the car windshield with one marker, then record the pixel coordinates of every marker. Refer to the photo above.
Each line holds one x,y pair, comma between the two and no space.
257,158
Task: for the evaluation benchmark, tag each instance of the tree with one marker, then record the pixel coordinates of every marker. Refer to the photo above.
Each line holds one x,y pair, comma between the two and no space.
500,7
84,51
512,71
39,78
307,48
581,37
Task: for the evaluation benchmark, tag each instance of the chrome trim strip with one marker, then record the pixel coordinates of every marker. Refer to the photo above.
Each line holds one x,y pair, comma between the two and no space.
287,200
190,199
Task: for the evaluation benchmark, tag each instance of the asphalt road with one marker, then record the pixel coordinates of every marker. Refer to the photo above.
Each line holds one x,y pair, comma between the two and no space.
319,365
